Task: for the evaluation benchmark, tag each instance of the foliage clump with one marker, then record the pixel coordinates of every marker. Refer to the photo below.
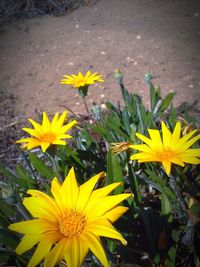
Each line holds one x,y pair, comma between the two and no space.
161,224
31,8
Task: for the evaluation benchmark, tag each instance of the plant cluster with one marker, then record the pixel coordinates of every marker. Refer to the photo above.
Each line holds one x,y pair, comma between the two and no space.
53,213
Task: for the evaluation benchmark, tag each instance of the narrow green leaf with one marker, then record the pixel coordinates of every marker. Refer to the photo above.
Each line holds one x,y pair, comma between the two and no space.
152,95
165,204
195,209
114,171
6,208
22,173
167,101
8,173
40,166
134,185
171,257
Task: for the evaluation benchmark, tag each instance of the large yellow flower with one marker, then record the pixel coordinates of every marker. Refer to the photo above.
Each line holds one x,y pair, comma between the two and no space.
80,80
172,148
71,222
48,132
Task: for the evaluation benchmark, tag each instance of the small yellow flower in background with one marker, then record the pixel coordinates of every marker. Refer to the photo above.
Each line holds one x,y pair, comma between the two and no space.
80,80
120,147
48,133
71,222
172,148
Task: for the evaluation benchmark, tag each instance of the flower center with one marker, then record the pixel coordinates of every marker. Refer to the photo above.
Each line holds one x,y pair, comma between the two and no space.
72,224
166,154
47,137
80,82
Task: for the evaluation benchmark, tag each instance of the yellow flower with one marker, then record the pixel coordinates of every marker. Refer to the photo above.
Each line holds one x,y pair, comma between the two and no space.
71,222
80,80
48,132
172,148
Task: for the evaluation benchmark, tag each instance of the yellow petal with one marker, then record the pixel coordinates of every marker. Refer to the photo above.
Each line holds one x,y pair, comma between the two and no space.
176,134
142,147
156,143
87,74
56,192
114,214
36,227
44,146
36,125
46,123
55,120
104,191
184,139
32,132
98,207
57,253
27,242
94,243
145,157
102,227
68,126
33,143
42,206
144,139
191,160
192,152
76,253
189,143
166,135
83,251
59,142
85,191
43,248
70,190
178,161
61,119
167,166
26,140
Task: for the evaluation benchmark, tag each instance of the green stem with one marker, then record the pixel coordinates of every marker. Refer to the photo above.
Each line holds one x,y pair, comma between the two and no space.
28,163
51,153
86,106
175,188
21,208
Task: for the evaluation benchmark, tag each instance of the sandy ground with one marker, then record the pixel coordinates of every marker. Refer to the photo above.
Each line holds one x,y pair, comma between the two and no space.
137,36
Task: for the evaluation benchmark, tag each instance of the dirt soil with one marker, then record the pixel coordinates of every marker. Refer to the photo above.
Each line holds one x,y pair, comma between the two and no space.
136,36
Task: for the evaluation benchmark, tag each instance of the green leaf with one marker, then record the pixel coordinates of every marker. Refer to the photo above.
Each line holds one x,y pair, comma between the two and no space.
74,155
126,121
40,166
161,184
6,190
134,185
8,173
195,209
165,205
152,95
25,180
6,209
167,101
114,171
4,257
157,106
171,258
8,238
